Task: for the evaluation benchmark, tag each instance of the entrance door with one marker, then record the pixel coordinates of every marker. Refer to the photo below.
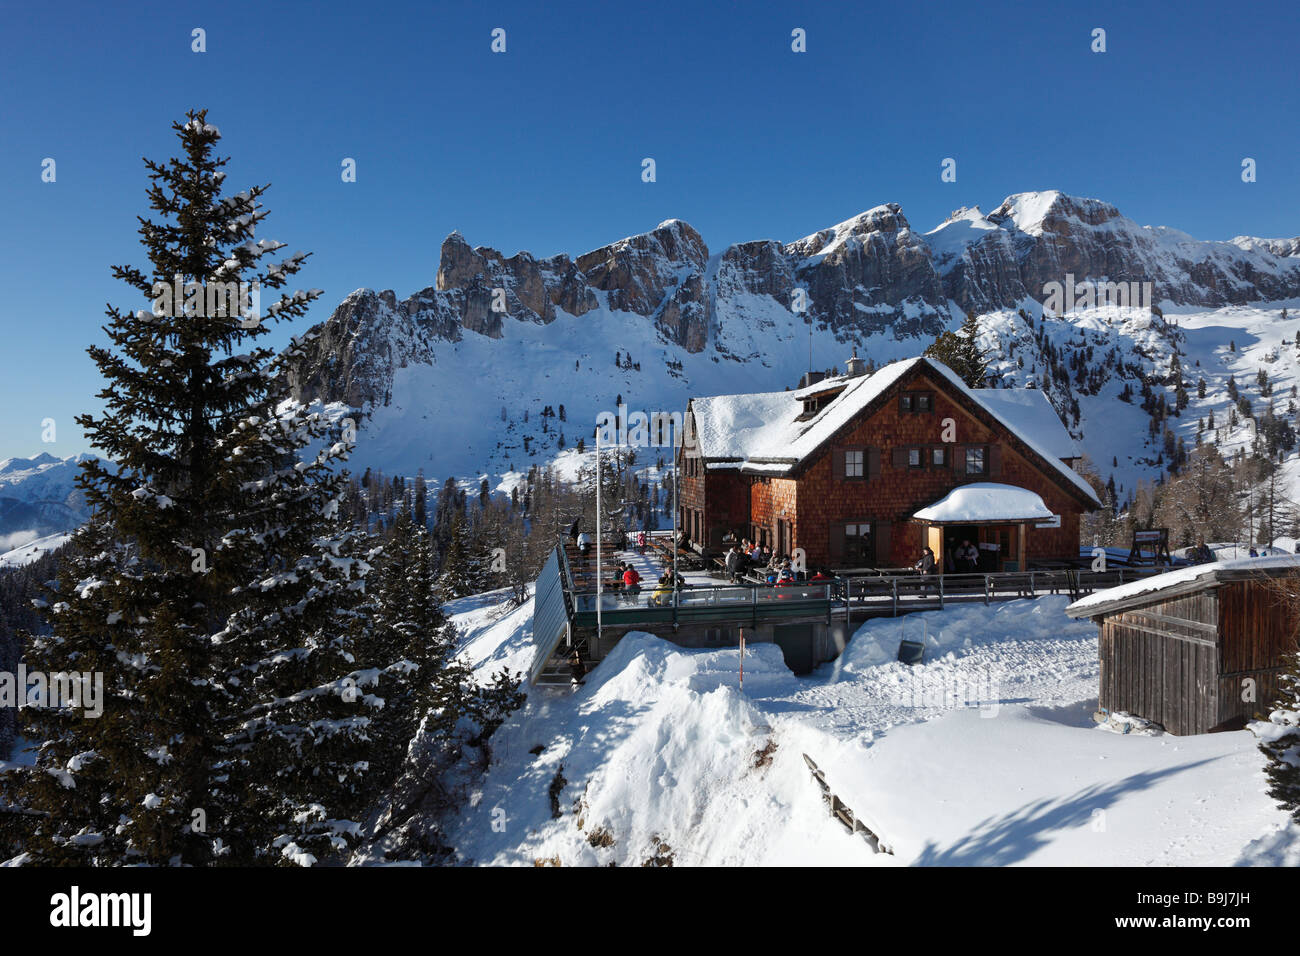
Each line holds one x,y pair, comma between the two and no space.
957,537
783,537
934,541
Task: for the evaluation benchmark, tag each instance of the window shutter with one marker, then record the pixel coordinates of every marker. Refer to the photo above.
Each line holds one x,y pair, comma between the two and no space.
837,541
958,453
883,542
995,461
900,457
837,464
873,462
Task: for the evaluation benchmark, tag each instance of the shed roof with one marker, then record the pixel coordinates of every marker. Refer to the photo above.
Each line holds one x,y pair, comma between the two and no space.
758,430
1195,577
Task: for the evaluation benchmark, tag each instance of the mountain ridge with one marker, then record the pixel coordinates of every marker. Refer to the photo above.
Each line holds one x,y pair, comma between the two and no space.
868,275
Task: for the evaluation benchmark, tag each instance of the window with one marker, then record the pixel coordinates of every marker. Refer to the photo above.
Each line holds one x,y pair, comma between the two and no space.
853,463
939,457
920,402
859,543
977,460
915,459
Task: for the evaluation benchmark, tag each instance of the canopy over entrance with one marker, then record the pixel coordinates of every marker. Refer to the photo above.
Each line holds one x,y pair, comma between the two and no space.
985,502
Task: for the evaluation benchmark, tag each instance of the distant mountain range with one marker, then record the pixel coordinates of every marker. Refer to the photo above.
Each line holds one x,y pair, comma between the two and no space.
38,498
447,380
455,387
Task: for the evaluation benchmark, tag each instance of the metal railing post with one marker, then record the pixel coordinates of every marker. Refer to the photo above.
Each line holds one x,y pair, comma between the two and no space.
894,582
986,590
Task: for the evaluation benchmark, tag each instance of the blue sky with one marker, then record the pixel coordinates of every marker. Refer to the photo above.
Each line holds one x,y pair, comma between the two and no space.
540,148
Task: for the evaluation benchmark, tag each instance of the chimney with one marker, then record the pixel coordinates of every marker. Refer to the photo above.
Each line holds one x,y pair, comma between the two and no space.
855,366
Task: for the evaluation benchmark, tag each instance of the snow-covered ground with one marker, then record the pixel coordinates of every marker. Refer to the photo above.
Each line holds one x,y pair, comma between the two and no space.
984,754
32,550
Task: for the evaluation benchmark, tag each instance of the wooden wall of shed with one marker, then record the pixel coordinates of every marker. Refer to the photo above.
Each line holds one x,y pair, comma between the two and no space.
1156,662
1148,672
1257,631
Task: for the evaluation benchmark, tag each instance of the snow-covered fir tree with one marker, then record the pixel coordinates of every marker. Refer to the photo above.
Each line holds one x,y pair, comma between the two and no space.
434,712
1280,739
409,636
215,588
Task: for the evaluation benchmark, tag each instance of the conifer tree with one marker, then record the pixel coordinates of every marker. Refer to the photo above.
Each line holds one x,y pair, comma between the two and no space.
457,577
960,351
409,640
434,712
213,589
1280,735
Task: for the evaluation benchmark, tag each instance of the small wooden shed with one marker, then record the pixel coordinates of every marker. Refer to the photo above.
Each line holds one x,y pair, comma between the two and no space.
1196,650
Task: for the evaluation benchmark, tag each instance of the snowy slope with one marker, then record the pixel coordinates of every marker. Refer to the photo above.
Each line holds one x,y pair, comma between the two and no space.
38,497
984,754
458,389
27,553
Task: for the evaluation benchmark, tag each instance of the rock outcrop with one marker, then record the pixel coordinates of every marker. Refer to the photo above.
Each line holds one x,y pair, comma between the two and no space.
871,275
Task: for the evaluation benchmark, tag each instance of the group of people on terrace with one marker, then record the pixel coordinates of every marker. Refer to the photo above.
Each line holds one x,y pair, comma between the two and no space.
748,560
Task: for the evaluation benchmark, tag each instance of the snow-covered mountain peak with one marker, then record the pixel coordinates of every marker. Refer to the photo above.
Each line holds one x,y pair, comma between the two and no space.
887,217
1285,248
13,470
1051,210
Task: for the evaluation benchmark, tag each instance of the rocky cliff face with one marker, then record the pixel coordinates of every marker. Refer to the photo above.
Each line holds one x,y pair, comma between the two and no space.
1032,239
870,276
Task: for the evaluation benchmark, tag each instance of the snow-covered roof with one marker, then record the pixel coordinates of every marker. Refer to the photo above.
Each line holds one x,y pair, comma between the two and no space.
986,501
1030,413
1192,575
765,428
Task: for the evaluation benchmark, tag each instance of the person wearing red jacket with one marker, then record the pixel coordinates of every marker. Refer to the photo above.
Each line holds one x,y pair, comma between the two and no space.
631,580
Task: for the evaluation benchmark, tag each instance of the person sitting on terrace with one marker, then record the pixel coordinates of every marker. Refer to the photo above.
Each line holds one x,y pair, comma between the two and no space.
663,593
733,563
631,580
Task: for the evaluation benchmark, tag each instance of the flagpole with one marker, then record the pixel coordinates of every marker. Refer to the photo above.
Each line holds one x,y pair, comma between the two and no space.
676,476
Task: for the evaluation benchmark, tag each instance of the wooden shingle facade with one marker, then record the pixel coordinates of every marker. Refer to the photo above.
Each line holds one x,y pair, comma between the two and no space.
844,478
